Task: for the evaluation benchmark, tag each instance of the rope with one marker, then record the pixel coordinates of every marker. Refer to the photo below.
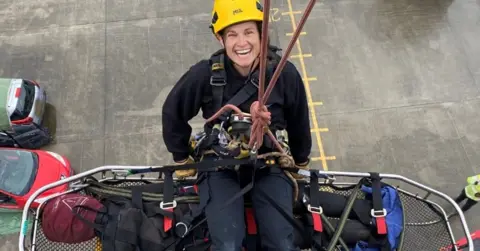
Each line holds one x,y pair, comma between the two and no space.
261,119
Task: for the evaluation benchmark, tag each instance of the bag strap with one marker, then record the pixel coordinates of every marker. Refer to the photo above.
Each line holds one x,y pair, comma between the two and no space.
378,212
316,211
93,225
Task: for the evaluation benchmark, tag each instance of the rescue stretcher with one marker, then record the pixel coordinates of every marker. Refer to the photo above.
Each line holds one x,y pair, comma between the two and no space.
427,225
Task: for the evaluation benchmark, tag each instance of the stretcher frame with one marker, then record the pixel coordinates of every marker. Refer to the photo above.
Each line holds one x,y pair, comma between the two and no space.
121,173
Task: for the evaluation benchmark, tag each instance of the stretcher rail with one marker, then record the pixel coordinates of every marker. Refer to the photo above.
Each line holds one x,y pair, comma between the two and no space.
125,169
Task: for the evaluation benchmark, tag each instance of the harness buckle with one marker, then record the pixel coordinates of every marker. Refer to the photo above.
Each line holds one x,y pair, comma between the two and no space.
168,205
217,81
378,213
314,210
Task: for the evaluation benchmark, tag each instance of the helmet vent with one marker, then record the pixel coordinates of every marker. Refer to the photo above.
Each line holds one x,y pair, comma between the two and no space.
259,7
214,18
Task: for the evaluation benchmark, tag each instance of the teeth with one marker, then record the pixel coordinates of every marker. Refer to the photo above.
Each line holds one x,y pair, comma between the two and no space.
244,51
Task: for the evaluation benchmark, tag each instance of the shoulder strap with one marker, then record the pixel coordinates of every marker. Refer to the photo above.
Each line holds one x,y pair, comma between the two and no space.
218,80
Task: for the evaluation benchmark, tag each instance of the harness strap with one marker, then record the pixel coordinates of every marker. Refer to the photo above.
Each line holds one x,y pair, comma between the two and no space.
251,224
218,80
314,207
207,165
317,212
168,203
378,211
251,239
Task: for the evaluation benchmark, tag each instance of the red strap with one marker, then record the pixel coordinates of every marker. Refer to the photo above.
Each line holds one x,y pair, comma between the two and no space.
381,225
317,222
167,222
251,226
195,187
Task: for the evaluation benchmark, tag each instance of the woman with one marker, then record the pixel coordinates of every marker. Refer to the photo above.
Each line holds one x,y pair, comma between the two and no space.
237,26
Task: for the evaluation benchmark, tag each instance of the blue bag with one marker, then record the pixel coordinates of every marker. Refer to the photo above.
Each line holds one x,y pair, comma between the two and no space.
394,218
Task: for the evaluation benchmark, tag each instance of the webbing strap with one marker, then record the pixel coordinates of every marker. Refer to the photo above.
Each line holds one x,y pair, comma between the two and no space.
96,226
251,223
241,96
378,211
317,212
208,165
314,207
168,203
218,80
251,238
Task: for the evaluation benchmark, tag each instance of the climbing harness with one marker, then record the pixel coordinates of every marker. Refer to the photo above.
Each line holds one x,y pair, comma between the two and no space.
216,133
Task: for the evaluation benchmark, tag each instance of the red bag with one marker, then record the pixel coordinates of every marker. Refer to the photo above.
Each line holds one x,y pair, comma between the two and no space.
59,222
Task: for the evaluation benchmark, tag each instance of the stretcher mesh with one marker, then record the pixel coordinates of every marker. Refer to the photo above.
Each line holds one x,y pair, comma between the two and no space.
426,228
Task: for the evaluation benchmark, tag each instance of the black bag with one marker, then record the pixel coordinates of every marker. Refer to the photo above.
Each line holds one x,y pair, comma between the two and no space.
136,225
30,136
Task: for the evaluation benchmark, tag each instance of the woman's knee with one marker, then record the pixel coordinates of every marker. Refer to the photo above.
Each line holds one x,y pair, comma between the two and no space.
225,220
276,184
217,186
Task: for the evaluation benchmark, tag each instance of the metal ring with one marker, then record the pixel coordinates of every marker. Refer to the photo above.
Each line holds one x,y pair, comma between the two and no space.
184,225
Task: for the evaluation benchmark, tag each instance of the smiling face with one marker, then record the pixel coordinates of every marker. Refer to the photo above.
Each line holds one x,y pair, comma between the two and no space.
242,45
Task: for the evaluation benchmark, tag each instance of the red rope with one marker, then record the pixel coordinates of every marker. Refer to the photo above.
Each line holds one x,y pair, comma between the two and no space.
261,119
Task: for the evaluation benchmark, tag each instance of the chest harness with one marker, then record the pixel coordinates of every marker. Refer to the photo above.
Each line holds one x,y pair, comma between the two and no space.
227,136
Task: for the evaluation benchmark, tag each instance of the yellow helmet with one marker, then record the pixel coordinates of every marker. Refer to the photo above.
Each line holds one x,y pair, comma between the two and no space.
228,12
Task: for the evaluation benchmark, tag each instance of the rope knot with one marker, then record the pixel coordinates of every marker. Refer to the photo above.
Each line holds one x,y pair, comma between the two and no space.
261,119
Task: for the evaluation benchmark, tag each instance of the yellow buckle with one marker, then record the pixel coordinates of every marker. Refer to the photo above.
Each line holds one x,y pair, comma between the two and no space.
270,161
